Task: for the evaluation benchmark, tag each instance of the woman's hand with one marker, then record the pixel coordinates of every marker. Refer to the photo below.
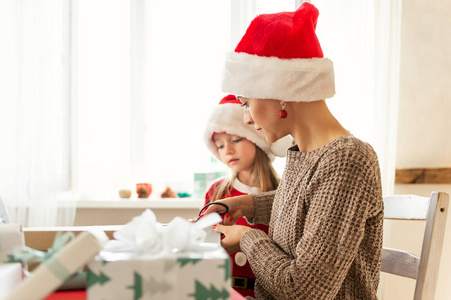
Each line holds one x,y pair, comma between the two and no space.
240,206
232,236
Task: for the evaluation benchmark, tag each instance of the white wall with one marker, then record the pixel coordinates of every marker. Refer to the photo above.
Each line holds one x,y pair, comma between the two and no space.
424,136
424,129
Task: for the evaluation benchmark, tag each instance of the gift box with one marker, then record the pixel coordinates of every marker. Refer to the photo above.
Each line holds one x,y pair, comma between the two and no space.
59,266
187,275
149,260
10,277
11,237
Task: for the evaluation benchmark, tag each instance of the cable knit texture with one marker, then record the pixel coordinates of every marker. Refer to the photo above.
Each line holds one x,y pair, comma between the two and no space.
326,217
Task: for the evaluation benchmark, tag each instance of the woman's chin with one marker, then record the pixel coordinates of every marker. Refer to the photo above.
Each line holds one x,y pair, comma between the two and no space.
267,138
271,139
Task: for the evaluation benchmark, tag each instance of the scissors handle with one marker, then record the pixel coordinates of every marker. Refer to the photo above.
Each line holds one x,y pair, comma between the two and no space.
221,214
215,203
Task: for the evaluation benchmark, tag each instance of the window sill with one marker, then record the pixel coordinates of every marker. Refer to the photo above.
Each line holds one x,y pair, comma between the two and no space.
122,211
134,203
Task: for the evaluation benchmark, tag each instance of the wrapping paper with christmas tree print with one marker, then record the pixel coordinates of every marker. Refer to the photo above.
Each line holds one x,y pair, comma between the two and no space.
191,275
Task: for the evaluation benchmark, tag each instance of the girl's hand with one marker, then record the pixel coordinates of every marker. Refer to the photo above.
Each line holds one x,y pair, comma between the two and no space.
239,206
233,235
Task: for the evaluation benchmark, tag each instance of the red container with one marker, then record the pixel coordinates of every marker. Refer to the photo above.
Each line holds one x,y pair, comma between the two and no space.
143,190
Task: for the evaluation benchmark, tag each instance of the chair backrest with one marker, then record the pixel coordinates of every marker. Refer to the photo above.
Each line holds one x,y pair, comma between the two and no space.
423,269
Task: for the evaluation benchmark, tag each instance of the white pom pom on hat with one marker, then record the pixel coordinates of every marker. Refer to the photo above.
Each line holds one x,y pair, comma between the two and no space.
228,117
279,57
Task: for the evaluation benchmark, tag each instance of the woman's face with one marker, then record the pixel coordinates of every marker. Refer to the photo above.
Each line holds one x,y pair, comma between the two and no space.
263,114
236,152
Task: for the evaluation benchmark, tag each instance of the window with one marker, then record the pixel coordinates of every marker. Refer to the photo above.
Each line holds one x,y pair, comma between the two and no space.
147,74
98,95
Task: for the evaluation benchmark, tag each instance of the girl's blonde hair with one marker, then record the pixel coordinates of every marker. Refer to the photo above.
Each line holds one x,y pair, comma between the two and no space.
263,173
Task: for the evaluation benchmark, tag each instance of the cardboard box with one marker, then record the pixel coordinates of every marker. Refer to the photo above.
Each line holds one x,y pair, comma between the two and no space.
190,275
41,238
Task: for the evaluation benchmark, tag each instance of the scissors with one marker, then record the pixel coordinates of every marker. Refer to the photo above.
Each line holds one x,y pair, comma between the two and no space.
222,214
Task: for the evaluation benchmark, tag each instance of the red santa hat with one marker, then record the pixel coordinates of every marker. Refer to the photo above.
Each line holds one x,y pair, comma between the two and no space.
279,57
228,117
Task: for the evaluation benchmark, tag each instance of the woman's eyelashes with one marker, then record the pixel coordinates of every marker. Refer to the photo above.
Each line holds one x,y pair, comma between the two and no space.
237,140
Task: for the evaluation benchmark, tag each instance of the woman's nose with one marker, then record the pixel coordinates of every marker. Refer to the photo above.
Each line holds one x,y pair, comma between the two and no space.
248,118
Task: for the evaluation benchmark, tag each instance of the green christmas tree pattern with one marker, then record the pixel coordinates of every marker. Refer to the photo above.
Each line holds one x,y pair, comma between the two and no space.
203,293
183,261
150,286
227,269
93,279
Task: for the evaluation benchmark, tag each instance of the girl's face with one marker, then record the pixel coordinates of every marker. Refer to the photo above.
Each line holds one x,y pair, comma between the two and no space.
236,152
263,114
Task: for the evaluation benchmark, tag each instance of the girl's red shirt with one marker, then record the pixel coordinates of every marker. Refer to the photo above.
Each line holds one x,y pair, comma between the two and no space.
237,270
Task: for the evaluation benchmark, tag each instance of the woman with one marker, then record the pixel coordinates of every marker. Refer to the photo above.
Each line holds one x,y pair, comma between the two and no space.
325,219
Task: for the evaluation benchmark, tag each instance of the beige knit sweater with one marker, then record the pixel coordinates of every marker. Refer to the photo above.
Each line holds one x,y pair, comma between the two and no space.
325,235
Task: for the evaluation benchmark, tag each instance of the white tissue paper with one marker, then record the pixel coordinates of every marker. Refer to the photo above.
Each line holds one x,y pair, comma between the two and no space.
144,235
150,260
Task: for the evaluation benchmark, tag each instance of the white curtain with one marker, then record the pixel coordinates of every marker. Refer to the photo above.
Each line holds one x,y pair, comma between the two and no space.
387,22
362,39
34,112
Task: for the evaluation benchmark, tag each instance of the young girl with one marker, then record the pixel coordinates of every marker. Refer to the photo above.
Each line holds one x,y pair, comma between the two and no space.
248,156
325,219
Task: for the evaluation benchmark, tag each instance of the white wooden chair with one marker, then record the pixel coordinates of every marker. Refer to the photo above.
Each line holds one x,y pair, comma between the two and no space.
423,269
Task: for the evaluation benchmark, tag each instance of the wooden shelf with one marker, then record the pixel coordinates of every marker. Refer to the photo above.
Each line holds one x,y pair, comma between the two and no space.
423,175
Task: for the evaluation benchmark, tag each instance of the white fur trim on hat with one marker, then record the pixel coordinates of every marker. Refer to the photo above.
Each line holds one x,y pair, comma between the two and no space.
229,118
291,80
